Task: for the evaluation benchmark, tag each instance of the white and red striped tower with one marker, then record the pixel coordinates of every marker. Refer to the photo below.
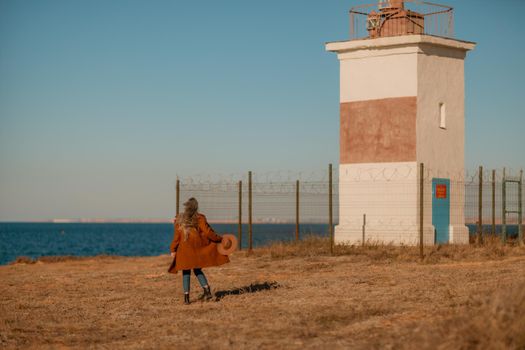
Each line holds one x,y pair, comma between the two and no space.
401,104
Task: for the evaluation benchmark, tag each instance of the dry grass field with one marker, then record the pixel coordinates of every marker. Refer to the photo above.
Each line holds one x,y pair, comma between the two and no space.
284,296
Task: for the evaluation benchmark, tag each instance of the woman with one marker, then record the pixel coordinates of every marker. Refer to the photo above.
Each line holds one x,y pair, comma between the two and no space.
194,247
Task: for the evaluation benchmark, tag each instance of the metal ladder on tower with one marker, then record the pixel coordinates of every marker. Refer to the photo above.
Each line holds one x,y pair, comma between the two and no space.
507,180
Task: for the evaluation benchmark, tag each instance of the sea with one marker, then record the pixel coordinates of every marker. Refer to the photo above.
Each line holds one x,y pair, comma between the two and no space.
127,239
132,239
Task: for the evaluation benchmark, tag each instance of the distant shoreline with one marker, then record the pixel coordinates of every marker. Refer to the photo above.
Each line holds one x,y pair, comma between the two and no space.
153,221
88,221
169,221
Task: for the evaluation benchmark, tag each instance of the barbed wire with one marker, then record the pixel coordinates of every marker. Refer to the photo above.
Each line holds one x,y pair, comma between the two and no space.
281,176
371,173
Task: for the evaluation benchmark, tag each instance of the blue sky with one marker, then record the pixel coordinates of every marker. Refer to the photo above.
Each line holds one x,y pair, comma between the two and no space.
103,103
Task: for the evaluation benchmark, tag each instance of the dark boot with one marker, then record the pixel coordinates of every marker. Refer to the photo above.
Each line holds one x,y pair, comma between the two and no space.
186,299
206,295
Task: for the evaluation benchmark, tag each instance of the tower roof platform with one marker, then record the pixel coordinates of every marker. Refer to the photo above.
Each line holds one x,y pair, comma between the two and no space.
402,40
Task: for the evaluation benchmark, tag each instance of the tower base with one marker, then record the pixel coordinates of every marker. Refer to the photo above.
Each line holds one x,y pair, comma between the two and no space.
458,234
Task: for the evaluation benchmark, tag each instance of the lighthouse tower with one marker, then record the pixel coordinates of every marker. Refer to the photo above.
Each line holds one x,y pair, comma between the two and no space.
401,104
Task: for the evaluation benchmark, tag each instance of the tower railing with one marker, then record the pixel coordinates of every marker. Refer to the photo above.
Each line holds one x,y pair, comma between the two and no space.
396,17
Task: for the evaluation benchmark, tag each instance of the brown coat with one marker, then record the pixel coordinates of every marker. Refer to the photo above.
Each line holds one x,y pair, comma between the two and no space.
199,249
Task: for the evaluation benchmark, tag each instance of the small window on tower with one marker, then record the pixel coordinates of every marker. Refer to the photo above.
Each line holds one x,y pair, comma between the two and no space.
442,116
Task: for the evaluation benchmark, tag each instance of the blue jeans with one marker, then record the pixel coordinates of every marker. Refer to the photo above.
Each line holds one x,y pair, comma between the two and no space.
186,279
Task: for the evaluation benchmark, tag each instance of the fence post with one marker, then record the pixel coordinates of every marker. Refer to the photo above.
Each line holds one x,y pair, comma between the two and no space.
493,202
364,226
520,209
177,197
250,232
503,209
240,215
421,206
480,206
330,209
297,210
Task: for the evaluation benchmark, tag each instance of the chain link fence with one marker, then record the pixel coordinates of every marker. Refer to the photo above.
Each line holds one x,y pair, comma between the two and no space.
288,206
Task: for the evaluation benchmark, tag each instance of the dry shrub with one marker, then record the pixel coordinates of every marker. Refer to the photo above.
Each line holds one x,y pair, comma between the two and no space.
23,260
59,258
312,246
316,246
499,323
490,249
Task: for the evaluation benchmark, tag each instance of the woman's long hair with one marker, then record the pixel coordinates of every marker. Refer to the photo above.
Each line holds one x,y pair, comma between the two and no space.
188,219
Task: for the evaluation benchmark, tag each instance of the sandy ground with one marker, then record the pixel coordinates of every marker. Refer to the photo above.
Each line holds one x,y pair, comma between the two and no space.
346,301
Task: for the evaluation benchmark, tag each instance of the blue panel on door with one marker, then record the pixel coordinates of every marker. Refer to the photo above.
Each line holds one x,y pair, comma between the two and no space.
441,208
